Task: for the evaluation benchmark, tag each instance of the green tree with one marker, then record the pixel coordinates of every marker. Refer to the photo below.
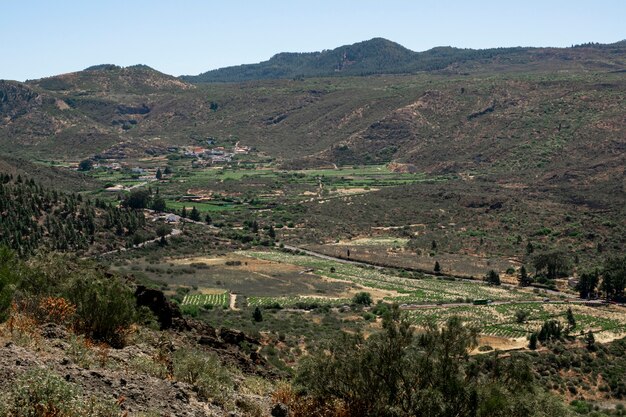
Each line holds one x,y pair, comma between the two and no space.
523,278
159,174
521,316
590,340
554,264
571,320
208,219
550,330
400,373
85,165
587,284
257,315
532,341
492,278
271,233
158,204
437,267
194,214
167,170
137,199
614,278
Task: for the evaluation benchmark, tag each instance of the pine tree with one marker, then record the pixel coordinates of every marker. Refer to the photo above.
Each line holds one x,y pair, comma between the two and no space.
437,267
159,174
195,214
257,315
524,279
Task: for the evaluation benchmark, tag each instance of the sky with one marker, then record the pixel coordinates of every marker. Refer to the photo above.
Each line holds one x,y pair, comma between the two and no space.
40,38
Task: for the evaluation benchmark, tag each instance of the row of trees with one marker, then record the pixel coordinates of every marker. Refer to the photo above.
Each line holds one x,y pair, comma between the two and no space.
610,281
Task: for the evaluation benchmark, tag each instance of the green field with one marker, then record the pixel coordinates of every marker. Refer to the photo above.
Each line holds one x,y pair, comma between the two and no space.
215,300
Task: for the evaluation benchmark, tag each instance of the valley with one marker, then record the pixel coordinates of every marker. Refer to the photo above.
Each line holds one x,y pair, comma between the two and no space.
277,218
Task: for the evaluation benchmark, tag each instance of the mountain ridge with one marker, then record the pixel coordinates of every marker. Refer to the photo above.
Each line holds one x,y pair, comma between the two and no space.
382,56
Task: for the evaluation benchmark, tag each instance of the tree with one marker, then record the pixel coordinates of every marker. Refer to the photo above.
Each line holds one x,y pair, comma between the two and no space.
433,245
590,340
550,330
521,316
492,278
158,204
208,219
194,214
362,298
554,263
183,212
614,278
571,321
85,165
271,232
529,248
159,174
398,372
167,170
437,267
137,199
532,341
257,315
523,278
587,284
162,231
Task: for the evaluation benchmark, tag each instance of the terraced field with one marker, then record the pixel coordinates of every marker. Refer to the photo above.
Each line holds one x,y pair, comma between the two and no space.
215,300
499,320
414,290
287,302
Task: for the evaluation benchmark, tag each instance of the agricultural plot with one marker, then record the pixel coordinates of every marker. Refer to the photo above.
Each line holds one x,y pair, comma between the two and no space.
412,290
215,300
286,302
499,320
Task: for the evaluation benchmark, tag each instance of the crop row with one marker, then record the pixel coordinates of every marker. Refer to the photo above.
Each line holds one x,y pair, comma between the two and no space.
286,302
206,299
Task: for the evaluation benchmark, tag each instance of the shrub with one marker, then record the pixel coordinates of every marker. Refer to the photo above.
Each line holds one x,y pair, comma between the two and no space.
105,308
40,392
362,298
205,372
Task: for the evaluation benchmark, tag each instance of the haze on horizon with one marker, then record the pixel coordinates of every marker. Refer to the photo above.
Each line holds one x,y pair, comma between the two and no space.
44,39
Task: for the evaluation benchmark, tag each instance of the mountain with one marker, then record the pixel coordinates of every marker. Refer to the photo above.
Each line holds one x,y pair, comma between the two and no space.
381,56
521,112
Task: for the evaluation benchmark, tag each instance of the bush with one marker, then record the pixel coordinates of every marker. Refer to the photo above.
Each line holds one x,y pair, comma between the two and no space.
40,392
205,372
362,298
105,308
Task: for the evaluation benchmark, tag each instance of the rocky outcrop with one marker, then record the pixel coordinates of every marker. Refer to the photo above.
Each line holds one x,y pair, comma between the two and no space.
155,300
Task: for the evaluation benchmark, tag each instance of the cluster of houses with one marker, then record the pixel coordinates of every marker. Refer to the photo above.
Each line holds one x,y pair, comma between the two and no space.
216,155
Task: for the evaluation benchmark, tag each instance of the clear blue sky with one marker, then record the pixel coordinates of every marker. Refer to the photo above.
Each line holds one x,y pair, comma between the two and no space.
45,37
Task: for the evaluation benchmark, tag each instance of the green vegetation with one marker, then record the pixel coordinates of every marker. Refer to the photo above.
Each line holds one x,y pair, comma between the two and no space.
399,373
72,292
37,218
41,392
